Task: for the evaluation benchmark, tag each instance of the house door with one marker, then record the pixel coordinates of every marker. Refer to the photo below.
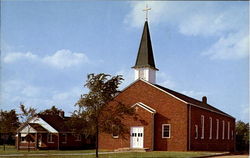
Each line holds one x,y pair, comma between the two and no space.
136,137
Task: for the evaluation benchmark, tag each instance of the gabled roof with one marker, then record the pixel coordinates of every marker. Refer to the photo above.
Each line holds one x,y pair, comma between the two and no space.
144,106
37,127
193,101
185,99
56,122
145,56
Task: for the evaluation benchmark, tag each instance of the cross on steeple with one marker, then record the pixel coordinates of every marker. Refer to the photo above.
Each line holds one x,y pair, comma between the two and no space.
146,10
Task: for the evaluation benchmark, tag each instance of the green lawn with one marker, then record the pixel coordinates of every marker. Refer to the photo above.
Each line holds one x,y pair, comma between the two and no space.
47,153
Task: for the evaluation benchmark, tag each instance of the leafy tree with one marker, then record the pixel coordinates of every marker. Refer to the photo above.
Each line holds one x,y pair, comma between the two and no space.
95,111
52,111
8,124
26,115
242,135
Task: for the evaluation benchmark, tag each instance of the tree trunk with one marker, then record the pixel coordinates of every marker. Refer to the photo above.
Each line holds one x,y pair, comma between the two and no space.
97,134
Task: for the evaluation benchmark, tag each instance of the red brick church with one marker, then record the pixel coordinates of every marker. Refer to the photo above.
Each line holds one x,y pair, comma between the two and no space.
168,120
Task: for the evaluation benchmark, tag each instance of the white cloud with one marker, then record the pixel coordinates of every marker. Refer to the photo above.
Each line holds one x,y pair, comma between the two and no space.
12,57
61,59
15,91
233,46
65,58
226,23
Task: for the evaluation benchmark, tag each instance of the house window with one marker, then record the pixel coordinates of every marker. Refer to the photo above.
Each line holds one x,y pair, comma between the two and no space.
202,126
78,137
223,129
23,139
166,130
232,134
50,138
196,132
211,128
64,138
228,130
217,128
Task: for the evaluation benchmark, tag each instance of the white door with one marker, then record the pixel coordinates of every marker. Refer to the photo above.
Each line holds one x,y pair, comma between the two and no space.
136,137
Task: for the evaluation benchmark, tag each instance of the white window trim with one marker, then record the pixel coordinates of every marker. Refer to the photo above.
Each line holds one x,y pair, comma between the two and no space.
50,138
196,131
223,129
217,128
228,130
65,138
162,130
211,128
202,126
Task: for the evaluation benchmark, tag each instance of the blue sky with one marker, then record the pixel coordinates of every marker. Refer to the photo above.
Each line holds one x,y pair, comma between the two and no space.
48,48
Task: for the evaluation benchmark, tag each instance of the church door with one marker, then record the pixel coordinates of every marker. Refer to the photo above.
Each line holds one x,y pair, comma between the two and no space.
136,137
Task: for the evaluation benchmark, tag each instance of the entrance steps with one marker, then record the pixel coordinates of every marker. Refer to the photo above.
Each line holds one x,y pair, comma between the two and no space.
132,149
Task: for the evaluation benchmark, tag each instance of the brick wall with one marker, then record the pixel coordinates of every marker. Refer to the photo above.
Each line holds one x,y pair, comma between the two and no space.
213,143
168,111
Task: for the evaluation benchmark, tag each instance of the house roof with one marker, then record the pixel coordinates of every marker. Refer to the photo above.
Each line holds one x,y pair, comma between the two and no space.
190,100
38,127
56,122
145,57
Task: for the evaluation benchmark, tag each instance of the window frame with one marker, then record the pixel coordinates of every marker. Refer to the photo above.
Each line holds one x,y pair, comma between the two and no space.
228,130
169,131
65,138
217,128
223,129
210,128
50,138
196,134
78,137
202,126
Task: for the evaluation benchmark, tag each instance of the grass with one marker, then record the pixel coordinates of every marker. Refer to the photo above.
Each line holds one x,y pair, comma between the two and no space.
48,153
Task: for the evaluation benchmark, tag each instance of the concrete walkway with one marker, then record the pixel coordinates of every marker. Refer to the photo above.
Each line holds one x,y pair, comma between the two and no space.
232,156
59,154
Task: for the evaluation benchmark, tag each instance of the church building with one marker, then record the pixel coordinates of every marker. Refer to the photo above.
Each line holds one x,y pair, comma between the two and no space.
168,120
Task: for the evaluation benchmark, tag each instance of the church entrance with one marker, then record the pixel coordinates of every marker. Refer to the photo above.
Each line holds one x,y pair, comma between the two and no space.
136,137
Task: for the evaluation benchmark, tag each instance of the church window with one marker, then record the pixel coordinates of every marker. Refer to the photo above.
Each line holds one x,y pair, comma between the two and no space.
232,134
223,129
165,130
202,126
217,128
211,128
50,138
196,132
228,130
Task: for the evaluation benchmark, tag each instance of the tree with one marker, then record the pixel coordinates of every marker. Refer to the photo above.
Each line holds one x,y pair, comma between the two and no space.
8,124
26,115
52,111
242,135
95,110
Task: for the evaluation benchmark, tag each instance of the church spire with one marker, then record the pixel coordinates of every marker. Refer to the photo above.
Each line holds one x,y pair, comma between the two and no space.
145,56
145,65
